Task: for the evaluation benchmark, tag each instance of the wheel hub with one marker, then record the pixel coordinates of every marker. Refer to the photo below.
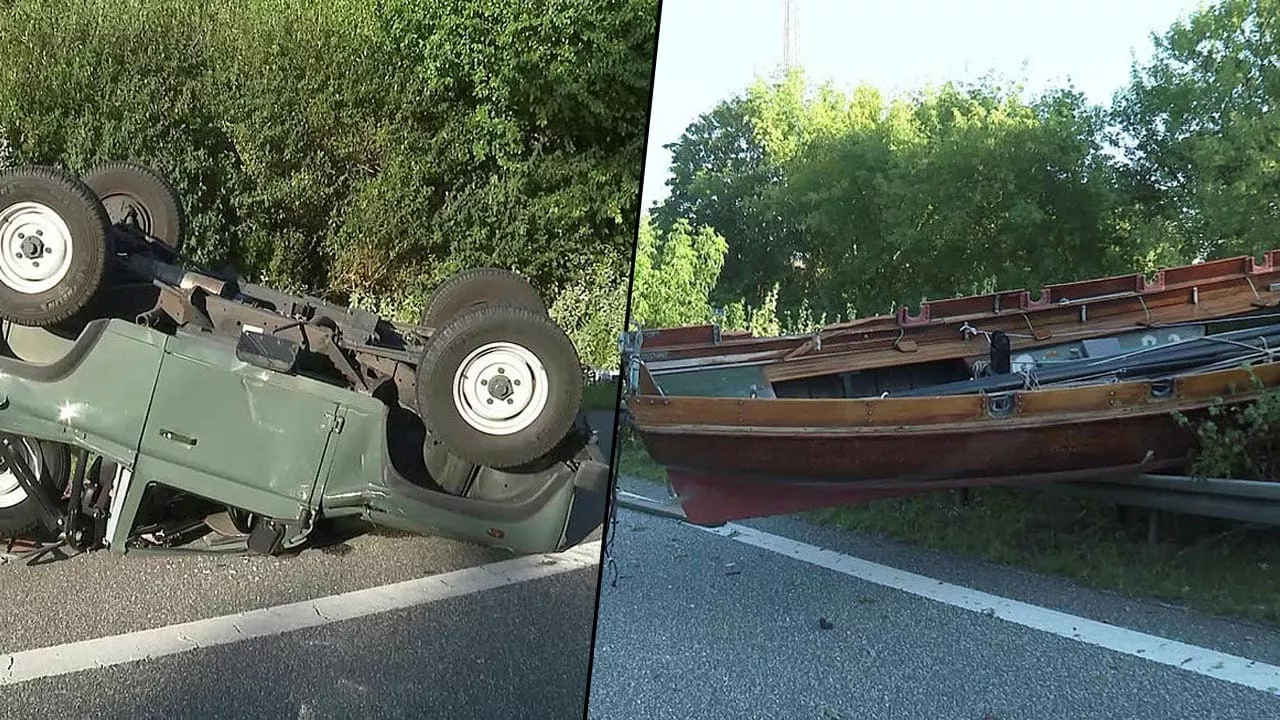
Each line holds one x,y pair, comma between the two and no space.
500,389
35,247
124,209
32,247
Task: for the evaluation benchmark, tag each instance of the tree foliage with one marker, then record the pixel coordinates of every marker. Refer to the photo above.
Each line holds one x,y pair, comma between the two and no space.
675,272
363,149
1201,131
837,203
725,169
852,203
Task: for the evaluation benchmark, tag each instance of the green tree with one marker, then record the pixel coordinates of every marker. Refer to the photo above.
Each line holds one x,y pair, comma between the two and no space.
1202,134
836,204
362,150
675,273
728,169
528,134
998,193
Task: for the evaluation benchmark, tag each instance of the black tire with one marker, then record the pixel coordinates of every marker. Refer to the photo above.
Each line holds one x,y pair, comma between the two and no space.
531,331
54,470
136,194
89,244
471,289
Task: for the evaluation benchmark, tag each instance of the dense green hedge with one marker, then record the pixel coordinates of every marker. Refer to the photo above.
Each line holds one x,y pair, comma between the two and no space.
362,149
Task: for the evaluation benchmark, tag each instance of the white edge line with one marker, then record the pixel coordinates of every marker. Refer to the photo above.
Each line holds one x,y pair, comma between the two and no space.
157,642
1192,658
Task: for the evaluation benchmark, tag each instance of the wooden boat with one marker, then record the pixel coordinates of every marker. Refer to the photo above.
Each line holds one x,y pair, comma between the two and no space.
1086,381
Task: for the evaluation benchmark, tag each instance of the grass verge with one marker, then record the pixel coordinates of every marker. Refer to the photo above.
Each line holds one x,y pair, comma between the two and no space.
600,396
1213,566
634,461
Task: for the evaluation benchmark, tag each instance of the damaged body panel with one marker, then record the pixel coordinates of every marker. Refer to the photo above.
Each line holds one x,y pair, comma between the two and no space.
186,414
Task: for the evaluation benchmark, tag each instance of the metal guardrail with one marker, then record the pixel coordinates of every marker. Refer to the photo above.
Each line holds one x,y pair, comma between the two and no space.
1225,498
1228,499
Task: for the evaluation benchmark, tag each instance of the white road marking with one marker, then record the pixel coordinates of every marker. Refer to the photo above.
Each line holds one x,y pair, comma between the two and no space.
1192,658
157,642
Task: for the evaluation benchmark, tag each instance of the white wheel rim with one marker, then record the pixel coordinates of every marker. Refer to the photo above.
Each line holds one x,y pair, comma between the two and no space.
11,491
500,388
35,248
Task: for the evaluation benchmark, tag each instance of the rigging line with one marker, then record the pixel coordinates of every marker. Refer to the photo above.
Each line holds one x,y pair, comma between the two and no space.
1265,349
1156,348
1137,372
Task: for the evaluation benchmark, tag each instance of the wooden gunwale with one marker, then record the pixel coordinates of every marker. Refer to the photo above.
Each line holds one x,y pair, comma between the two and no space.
686,415
1188,294
1059,323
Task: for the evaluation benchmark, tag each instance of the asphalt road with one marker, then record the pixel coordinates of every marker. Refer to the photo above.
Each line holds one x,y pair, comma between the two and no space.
700,625
517,651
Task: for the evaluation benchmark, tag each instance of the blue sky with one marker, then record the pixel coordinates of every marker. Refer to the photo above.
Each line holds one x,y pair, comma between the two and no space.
711,49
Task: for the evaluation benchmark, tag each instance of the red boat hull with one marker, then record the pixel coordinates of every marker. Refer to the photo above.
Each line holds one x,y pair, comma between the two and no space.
732,477
710,499
731,458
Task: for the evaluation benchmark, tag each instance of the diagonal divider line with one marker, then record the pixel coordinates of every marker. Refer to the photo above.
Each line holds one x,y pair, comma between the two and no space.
264,622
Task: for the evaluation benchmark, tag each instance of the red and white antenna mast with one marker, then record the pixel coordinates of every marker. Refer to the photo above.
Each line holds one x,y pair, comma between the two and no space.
788,35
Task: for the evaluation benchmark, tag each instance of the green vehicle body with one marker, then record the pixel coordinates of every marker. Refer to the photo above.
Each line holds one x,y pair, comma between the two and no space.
182,411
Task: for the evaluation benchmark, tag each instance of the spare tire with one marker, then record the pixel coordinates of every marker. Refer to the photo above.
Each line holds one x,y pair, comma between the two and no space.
136,195
51,464
500,386
54,246
471,289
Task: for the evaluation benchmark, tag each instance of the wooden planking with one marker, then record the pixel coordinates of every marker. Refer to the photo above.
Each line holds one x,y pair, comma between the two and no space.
870,357
690,335
971,305
880,352
1242,265
646,382
802,413
1084,289
1043,406
1240,280
666,366
1085,399
1227,383
944,453
1102,316
1229,268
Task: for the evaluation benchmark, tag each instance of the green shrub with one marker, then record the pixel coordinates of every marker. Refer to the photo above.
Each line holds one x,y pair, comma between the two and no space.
363,150
1238,441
